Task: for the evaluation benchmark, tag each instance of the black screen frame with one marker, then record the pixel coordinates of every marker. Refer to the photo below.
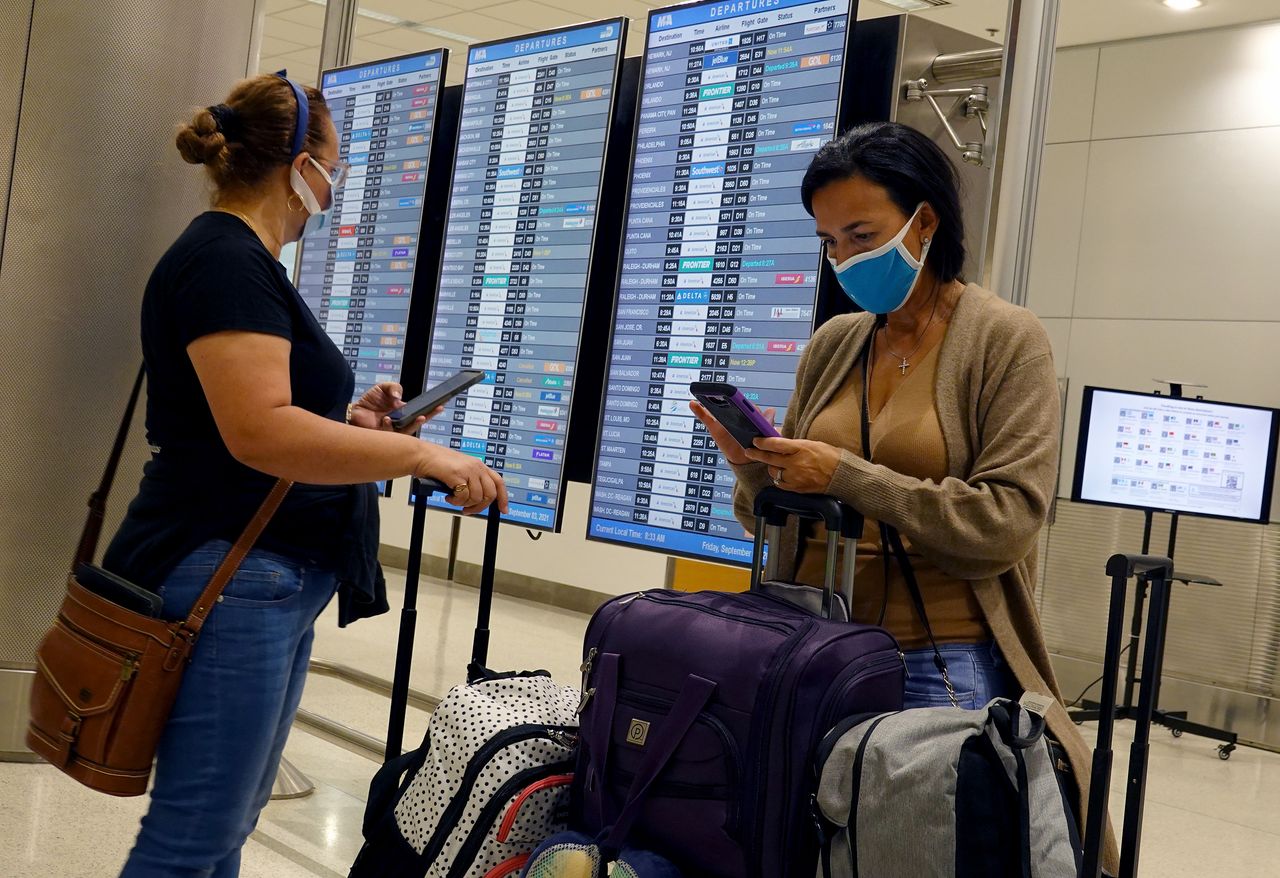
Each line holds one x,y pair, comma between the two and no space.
622,22
845,113
432,152
1082,447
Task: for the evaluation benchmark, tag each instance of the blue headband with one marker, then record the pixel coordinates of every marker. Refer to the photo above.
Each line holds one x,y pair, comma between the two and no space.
304,112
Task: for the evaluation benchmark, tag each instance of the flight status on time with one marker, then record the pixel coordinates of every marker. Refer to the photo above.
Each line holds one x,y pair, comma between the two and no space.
513,280
356,274
720,263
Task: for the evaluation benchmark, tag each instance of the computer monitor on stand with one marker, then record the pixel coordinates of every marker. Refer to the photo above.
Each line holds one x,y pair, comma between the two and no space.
1180,456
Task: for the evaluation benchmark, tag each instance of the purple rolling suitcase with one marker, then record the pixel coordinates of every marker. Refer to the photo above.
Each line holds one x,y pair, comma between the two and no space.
736,798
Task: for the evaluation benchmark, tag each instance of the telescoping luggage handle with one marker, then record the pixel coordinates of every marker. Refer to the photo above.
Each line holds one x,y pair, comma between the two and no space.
420,490
774,506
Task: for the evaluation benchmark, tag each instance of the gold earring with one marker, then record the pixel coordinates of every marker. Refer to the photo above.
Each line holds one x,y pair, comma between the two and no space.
289,203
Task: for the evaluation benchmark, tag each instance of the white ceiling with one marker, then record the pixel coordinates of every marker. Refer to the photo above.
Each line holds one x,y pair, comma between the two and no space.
291,29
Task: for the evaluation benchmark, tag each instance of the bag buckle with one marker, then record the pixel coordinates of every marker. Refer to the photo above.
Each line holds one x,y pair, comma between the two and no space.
68,734
184,641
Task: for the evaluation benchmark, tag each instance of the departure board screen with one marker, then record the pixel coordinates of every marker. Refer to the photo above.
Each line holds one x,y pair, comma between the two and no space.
719,271
356,274
522,214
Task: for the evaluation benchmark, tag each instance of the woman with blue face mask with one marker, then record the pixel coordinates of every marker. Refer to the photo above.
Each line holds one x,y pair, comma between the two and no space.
245,387
934,412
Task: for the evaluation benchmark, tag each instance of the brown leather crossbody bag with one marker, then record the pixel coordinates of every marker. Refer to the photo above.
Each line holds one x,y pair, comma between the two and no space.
108,671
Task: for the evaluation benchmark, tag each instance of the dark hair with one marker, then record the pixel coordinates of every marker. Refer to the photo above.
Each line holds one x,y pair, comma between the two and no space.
250,134
911,168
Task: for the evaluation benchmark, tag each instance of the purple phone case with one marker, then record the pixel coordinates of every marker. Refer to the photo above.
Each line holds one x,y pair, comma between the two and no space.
733,396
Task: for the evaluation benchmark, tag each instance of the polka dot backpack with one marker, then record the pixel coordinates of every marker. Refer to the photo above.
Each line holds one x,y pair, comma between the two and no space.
489,783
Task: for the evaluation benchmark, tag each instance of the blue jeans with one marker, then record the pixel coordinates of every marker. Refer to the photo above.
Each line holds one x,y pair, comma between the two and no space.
220,749
977,670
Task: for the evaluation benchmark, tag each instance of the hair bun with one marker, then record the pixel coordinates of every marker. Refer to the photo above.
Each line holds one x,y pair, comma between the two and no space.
200,142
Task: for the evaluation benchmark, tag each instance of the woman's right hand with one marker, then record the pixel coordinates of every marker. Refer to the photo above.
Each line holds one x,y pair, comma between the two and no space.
473,485
730,448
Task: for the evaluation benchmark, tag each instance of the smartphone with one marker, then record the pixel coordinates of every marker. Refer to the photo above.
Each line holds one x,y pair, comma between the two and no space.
742,419
431,399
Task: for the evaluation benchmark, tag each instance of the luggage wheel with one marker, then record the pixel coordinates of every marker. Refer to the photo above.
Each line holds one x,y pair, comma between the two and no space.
1177,733
1224,751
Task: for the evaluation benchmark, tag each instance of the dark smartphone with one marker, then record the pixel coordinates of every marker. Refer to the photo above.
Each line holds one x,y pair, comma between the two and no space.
433,398
742,419
119,591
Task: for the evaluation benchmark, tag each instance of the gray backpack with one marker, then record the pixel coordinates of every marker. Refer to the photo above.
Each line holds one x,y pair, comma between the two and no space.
944,792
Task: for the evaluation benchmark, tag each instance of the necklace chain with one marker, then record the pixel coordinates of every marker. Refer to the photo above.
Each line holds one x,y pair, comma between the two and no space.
247,221
904,365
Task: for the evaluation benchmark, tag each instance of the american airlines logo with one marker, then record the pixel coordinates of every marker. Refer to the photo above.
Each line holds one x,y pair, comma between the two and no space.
663,21
480,55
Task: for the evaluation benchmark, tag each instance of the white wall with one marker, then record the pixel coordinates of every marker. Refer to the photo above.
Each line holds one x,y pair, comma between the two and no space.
1156,233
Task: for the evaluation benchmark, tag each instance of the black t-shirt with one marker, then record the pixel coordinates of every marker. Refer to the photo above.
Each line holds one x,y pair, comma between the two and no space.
218,276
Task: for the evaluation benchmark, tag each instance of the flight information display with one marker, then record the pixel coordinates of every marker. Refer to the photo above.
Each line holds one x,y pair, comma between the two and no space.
356,274
720,263
536,112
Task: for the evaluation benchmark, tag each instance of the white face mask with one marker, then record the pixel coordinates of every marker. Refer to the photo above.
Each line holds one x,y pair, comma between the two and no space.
317,217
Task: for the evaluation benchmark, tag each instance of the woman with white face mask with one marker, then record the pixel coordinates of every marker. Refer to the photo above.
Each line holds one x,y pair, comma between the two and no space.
953,392
244,387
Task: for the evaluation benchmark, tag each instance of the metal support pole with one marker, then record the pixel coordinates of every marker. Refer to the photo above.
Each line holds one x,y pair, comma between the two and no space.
290,782
963,66
1028,74
339,33
1139,751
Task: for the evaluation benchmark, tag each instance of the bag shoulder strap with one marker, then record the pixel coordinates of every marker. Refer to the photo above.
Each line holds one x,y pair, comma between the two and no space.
890,539
98,499
98,509
227,569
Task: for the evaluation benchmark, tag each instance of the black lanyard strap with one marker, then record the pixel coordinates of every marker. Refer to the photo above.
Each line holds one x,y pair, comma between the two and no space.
890,539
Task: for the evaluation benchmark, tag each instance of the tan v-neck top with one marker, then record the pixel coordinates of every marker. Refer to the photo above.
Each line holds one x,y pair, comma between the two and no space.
906,437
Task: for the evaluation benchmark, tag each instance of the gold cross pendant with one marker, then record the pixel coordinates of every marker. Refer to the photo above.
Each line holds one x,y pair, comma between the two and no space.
904,365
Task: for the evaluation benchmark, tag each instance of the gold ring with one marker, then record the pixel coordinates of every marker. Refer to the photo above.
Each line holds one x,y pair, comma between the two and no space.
458,489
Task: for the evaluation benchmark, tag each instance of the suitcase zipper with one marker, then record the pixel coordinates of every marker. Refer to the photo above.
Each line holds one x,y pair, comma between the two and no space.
585,694
763,735
493,809
457,805
662,599
836,695
546,783
856,788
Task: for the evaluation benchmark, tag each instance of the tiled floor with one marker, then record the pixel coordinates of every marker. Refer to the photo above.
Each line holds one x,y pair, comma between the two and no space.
1204,817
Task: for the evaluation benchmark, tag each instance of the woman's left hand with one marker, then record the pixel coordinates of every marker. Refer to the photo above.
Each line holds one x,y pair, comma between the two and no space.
374,408
799,465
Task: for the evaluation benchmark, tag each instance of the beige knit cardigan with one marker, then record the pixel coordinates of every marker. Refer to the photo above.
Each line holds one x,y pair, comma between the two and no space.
997,401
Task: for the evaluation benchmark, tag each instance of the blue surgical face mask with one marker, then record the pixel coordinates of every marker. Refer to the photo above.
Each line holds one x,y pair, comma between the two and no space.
317,217
882,280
